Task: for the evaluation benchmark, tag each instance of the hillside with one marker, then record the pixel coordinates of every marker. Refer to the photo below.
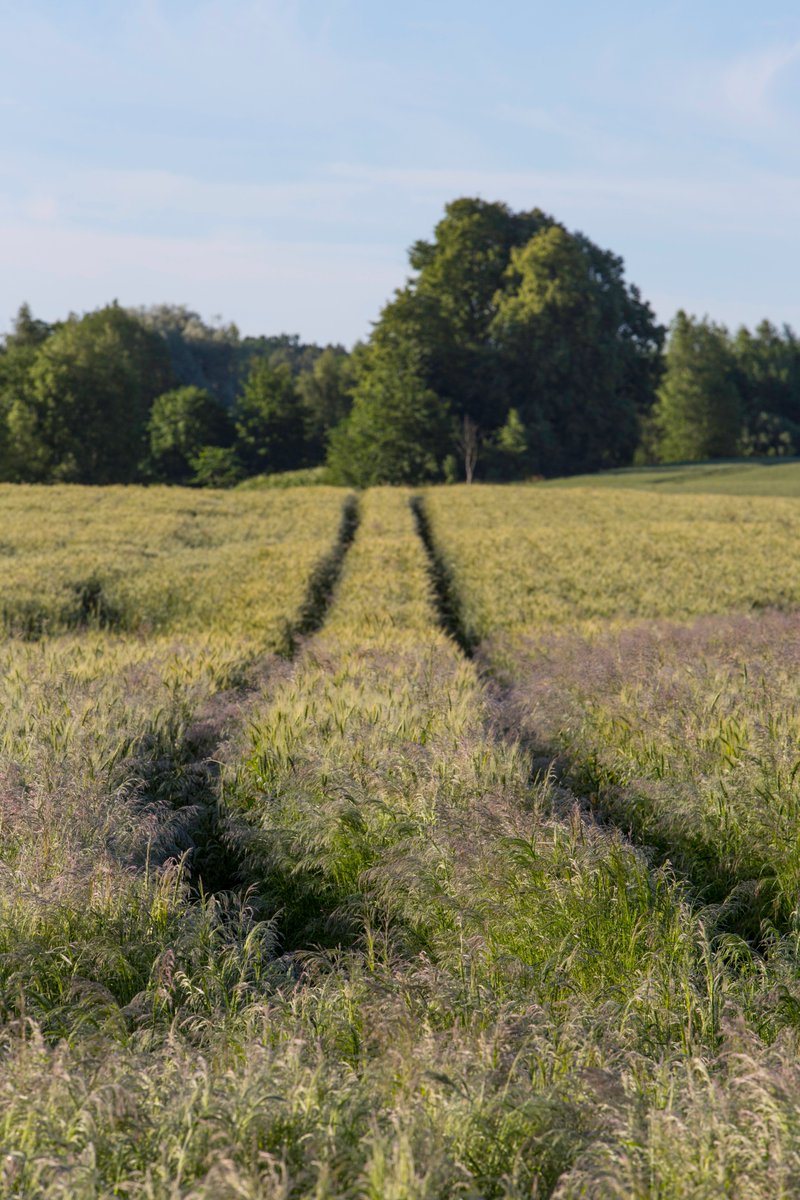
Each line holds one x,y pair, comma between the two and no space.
742,477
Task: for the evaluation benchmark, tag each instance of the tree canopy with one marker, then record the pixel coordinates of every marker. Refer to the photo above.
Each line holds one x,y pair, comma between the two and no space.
511,311
182,423
81,413
269,420
515,348
397,430
699,405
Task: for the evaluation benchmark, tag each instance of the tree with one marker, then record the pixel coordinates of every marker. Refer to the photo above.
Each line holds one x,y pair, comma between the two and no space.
183,422
82,416
578,349
767,435
201,355
324,393
216,466
511,449
397,430
509,310
268,419
767,372
468,443
446,310
29,331
699,406
17,356
213,356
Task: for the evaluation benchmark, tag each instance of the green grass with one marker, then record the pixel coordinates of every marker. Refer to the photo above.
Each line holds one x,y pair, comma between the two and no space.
412,965
160,560
524,558
685,733
303,477
742,477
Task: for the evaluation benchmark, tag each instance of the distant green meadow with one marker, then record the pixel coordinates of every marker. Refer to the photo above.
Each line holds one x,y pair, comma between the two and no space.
743,477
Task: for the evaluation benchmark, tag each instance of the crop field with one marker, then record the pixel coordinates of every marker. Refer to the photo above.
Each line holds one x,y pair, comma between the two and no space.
400,846
684,728
528,558
159,560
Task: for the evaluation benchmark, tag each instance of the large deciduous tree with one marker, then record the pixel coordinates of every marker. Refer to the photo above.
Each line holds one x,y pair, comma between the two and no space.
578,350
83,413
509,310
446,309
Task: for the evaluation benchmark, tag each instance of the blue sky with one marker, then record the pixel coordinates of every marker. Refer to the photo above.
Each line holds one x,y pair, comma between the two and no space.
270,161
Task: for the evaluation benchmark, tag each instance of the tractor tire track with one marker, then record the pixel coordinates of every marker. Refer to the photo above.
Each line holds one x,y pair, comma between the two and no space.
178,770
737,911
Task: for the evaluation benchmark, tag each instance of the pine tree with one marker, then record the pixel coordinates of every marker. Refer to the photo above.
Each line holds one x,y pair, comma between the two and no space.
699,410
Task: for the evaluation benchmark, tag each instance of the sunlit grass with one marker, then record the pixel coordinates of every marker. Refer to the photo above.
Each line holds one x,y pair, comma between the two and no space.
325,928
524,557
744,477
161,560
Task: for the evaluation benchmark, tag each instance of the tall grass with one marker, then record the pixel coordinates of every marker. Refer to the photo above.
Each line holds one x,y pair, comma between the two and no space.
435,974
523,558
687,735
160,560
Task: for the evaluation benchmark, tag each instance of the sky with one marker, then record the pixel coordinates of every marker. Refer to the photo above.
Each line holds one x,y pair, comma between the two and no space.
269,162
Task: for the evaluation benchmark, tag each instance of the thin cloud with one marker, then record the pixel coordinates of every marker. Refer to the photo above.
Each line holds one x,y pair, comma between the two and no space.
742,93
130,197
741,202
747,85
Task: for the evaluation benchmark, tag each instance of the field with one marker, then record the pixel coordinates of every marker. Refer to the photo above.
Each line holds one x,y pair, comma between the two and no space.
758,477
399,846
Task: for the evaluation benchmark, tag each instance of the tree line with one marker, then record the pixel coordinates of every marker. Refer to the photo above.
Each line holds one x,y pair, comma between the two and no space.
157,395
516,348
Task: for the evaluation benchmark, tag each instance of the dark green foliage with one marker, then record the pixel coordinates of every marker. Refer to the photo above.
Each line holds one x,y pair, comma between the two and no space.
214,356
514,450
398,429
29,331
509,310
445,311
699,406
579,351
725,395
75,399
767,368
80,414
183,423
16,359
324,392
201,355
269,420
216,466
769,435
285,349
